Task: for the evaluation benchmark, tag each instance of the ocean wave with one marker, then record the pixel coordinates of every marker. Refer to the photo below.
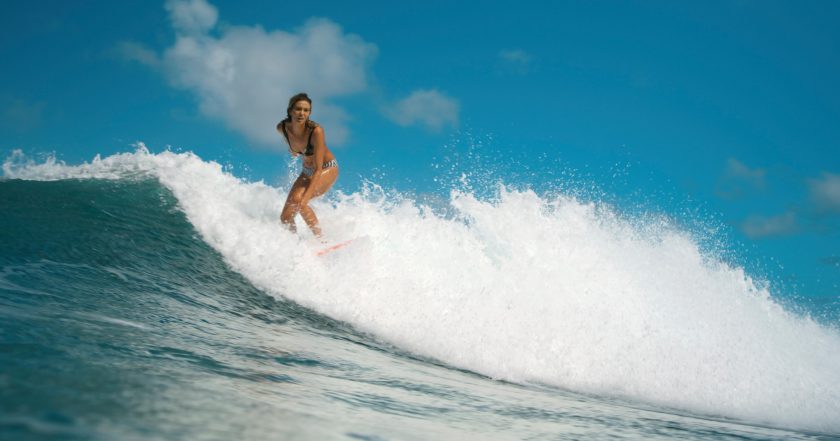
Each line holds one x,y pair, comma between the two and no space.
521,287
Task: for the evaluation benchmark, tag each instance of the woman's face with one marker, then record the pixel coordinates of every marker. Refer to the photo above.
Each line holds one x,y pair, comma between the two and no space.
300,111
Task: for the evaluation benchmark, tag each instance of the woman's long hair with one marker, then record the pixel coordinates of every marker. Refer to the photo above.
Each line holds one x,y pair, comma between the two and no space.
292,101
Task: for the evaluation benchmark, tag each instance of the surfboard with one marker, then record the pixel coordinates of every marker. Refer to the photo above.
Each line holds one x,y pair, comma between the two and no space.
332,248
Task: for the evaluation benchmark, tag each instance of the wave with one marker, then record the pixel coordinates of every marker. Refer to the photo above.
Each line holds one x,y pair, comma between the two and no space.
521,287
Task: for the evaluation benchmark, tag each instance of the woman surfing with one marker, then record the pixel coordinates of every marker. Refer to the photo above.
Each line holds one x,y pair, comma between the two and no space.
320,169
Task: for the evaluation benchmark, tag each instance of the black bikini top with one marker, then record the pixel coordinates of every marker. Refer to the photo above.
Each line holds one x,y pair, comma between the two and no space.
310,150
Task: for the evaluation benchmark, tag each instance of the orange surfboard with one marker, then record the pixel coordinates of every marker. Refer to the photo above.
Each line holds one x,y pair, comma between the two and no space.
333,248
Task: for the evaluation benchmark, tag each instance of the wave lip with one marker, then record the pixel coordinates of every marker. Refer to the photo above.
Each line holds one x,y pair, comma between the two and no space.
525,288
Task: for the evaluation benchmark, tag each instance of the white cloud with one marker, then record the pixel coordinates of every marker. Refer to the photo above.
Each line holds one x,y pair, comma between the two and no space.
136,52
192,16
22,116
516,60
760,226
737,169
738,179
517,56
244,75
825,193
429,108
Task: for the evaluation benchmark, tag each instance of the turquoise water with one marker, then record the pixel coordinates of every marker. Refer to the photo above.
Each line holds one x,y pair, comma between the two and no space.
123,316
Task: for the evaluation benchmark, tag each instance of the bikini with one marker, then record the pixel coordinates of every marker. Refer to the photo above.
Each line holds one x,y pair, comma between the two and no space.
309,151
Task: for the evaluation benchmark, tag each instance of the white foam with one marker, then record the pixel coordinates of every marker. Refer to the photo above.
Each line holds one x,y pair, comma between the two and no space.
526,289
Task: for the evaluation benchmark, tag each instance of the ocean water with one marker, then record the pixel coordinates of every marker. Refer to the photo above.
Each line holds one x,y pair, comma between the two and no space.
155,296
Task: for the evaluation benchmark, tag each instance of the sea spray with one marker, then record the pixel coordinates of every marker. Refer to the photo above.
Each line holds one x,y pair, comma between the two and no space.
522,287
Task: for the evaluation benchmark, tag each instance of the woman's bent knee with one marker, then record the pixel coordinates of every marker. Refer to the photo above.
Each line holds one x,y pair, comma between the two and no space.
294,199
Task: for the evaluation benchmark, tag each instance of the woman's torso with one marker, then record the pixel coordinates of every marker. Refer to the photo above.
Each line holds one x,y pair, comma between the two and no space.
304,146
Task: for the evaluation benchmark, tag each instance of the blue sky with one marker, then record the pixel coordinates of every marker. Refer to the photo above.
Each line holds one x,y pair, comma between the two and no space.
723,110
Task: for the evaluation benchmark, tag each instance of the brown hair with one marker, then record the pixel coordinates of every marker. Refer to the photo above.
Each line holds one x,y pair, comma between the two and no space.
292,101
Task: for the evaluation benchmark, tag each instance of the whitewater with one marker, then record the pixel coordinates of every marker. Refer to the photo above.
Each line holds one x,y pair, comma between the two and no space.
549,294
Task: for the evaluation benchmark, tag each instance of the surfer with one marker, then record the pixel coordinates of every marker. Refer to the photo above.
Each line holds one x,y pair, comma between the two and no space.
320,169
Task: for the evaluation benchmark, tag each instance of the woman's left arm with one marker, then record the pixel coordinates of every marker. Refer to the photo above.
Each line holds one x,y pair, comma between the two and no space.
320,146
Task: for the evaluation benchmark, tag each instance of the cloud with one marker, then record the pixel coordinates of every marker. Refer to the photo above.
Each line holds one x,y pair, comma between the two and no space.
192,17
738,179
759,226
244,75
23,116
815,215
428,108
825,193
137,52
516,60
737,169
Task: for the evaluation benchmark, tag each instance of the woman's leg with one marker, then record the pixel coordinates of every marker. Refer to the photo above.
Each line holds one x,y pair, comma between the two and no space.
292,207
328,178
